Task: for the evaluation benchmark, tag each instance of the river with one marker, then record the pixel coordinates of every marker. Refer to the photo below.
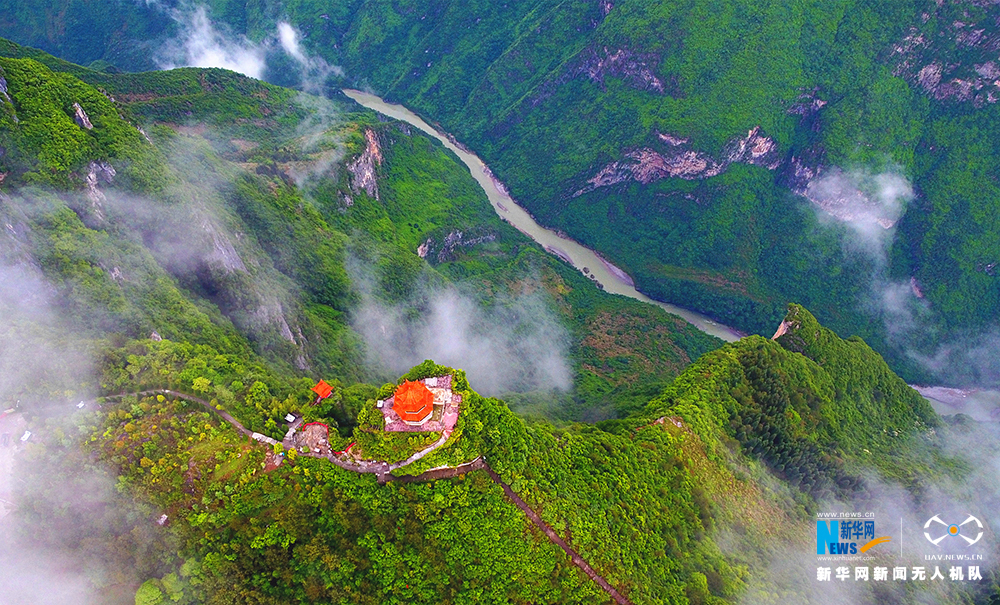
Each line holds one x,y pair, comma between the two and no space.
588,262
980,404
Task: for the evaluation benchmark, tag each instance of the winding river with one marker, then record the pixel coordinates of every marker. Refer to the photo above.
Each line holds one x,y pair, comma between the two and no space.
982,405
588,262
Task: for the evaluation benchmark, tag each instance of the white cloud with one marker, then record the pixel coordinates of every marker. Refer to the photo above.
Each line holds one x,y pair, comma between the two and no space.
515,345
202,44
289,39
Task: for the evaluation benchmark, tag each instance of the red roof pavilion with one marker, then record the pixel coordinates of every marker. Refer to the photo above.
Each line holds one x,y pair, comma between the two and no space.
322,389
413,402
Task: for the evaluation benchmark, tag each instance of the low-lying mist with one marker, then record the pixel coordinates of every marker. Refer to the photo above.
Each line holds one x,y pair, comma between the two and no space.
866,206
203,43
967,456
66,534
279,58
515,344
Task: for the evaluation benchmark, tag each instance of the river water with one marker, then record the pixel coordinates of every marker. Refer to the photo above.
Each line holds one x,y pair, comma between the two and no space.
588,262
981,405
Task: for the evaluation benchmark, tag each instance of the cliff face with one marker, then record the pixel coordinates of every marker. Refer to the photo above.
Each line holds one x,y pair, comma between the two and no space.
363,169
635,68
6,97
676,159
951,55
448,247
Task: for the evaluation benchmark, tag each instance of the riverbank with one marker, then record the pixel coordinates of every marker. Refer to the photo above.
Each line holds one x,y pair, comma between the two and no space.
981,405
611,278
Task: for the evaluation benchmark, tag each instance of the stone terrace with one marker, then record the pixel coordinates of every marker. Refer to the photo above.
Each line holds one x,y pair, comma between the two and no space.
446,408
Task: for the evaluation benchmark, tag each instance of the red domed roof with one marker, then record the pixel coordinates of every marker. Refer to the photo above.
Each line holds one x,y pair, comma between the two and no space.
413,401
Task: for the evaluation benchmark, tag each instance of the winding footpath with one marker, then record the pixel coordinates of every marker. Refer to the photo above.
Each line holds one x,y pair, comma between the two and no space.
382,470
554,537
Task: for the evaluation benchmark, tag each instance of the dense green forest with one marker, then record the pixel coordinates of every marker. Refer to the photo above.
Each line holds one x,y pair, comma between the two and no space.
203,232
649,97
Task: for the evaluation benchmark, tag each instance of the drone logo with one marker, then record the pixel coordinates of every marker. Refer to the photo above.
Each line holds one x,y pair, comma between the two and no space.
953,530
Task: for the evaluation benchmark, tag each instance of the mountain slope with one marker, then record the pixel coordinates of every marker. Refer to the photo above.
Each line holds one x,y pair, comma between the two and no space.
260,206
695,129
217,291
644,500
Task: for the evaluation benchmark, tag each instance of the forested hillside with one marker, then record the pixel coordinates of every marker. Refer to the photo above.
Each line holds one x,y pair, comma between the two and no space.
698,145
201,231
217,210
184,254
648,501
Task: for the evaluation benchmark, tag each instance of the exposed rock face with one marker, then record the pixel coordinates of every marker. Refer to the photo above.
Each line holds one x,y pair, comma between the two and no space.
300,359
363,169
783,328
597,63
6,97
81,118
806,105
270,312
635,68
444,251
671,140
647,165
97,173
223,252
755,149
953,59
242,288
801,170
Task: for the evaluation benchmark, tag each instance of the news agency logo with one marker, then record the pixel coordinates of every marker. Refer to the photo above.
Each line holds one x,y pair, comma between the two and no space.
843,536
953,530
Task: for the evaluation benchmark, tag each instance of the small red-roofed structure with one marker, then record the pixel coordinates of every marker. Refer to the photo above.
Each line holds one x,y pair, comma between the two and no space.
413,402
322,390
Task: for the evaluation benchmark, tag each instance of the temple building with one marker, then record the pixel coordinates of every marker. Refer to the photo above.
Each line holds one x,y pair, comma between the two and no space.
322,390
424,405
413,403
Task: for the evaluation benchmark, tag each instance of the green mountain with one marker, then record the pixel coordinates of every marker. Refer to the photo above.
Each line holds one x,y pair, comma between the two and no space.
189,251
646,501
608,118
693,128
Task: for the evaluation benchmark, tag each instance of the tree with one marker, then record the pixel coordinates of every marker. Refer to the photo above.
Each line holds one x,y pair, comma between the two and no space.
149,594
201,384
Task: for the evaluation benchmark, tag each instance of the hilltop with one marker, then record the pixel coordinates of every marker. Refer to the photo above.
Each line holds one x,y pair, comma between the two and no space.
642,501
